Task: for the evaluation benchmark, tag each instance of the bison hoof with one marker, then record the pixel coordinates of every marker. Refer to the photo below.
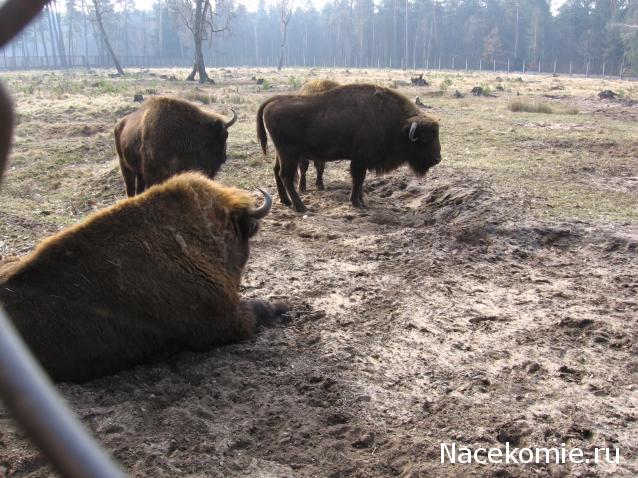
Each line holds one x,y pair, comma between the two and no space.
302,187
301,208
285,201
321,187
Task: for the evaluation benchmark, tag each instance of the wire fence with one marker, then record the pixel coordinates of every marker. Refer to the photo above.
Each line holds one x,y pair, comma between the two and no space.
587,68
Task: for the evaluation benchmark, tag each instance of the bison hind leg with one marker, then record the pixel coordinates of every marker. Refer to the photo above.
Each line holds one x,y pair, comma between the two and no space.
281,189
287,174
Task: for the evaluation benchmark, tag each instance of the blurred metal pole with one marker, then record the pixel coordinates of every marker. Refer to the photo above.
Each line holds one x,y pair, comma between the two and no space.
32,398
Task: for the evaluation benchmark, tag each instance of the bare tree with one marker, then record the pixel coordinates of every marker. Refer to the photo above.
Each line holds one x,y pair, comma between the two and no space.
285,13
105,38
200,20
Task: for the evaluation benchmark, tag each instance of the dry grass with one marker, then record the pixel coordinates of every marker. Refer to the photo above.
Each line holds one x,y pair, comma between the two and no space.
518,106
63,157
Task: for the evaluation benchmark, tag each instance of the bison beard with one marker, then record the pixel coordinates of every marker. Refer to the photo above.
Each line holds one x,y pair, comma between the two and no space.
150,275
167,136
375,128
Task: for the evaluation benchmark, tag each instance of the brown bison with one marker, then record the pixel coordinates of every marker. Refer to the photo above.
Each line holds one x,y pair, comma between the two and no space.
375,128
150,275
168,136
310,88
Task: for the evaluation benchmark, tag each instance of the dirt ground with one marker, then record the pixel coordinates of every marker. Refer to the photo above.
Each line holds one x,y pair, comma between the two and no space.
494,300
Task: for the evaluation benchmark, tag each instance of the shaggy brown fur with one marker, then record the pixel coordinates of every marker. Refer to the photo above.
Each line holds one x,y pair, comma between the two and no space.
375,128
152,274
167,136
310,88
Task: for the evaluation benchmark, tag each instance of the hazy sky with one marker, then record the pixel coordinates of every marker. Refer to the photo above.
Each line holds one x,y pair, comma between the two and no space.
252,4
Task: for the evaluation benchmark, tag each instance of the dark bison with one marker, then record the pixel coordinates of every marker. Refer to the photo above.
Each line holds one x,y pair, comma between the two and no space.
310,88
168,136
375,128
6,128
150,275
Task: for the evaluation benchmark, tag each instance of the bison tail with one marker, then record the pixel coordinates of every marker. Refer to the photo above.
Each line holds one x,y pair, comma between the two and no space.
261,129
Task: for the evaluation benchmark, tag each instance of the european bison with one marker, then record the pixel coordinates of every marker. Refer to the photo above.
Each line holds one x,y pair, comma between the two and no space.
168,136
374,127
148,276
310,88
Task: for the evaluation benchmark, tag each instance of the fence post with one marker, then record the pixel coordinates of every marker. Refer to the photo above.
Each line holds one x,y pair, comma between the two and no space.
603,70
480,64
508,66
622,67
439,63
465,63
570,68
494,65
452,62
587,72
554,66
539,66
524,65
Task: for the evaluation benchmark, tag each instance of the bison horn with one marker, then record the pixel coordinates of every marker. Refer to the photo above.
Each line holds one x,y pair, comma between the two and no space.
232,121
264,209
412,131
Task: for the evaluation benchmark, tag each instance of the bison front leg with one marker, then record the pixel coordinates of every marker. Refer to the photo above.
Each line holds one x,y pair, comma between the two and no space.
283,195
129,178
358,173
320,166
141,185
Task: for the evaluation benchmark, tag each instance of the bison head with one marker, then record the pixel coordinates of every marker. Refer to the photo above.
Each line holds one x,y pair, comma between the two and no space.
421,138
247,225
215,147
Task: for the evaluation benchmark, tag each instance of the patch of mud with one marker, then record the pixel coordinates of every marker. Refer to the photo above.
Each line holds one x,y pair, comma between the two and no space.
438,314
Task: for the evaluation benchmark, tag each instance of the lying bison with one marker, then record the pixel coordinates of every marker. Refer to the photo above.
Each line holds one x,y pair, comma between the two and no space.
150,275
374,127
167,136
310,88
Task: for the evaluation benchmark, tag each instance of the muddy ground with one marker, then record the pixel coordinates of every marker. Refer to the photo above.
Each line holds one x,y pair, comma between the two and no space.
477,305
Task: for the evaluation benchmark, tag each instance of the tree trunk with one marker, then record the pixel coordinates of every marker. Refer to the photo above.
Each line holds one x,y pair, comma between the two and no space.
51,32
44,43
282,49
58,26
98,17
199,68
86,36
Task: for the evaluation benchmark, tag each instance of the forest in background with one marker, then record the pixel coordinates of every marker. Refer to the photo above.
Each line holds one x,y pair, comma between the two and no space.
584,36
